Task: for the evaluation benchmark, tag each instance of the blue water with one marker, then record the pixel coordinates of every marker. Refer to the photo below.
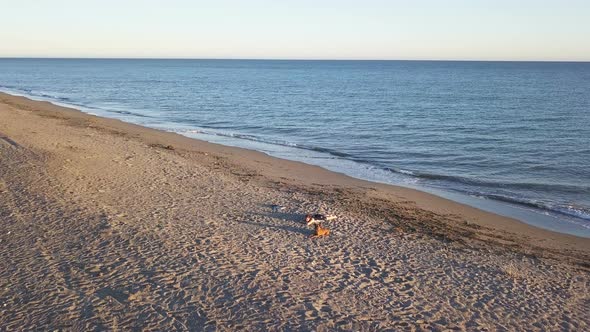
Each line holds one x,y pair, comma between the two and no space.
509,134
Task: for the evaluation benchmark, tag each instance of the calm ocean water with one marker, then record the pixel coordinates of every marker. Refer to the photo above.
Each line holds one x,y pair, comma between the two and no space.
503,133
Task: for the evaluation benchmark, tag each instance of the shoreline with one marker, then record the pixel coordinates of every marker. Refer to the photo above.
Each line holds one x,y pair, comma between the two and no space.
313,175
545,217
536,218
127,221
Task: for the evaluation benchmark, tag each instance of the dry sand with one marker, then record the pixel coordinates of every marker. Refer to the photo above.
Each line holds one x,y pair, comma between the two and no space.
106,225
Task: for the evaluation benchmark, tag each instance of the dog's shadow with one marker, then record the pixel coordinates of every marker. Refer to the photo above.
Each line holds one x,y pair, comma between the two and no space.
291,217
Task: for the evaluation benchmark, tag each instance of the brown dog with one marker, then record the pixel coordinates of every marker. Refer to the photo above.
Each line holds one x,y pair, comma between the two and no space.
320,231
316,221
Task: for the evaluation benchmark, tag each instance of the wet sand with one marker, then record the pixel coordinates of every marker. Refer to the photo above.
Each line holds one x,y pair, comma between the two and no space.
107,225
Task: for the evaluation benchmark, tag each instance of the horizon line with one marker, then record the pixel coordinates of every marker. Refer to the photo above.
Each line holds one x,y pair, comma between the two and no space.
279,59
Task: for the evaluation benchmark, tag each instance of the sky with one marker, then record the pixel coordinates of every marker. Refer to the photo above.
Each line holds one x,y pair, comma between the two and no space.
543,30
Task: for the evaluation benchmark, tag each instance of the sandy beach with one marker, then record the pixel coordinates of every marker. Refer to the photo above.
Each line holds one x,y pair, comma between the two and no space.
107,225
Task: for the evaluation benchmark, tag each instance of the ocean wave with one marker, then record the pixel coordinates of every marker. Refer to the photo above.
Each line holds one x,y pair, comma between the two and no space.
571,189
65,101
571,210
406,172
34,93
563,209
49,95
126,113
259,139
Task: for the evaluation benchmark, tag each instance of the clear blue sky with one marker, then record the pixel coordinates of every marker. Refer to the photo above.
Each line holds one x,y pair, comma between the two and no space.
298,29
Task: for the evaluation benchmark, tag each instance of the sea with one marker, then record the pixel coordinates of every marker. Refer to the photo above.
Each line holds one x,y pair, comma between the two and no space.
507,137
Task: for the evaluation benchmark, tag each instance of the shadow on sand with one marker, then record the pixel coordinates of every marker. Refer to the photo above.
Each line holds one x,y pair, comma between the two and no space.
292,217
